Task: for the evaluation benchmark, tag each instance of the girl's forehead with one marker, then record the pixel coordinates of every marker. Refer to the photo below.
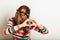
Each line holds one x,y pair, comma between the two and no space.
24,10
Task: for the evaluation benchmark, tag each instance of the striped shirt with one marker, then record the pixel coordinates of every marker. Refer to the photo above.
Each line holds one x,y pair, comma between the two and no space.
12,27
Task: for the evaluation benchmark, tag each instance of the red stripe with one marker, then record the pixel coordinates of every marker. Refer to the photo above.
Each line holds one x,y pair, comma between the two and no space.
21,33
15,38
10,22
46,32
36,28
15,32
5,32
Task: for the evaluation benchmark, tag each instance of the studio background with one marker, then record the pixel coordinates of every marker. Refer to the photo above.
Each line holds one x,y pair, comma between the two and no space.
46,12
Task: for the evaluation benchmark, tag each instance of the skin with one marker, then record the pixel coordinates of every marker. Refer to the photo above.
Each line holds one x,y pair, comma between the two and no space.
22,21
24,17
21,18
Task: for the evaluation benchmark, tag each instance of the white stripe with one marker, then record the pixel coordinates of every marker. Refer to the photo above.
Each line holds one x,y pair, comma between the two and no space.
21,31
15,28
7,32
19,34
10,22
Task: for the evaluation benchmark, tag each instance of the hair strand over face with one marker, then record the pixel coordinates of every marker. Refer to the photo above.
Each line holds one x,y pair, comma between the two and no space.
19,10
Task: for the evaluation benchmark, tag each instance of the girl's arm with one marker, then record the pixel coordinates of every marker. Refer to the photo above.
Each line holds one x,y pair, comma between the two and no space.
10,28
39,28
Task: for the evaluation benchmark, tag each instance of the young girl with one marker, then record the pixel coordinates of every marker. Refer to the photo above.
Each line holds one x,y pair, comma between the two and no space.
20,25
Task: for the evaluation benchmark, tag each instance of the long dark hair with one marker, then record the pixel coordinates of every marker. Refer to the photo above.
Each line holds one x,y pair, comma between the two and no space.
19,10
17,15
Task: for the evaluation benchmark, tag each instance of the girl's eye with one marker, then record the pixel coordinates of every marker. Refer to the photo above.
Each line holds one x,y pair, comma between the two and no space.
21,12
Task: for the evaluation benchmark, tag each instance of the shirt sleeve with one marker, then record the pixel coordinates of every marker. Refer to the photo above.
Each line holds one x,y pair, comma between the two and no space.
10,28
42,30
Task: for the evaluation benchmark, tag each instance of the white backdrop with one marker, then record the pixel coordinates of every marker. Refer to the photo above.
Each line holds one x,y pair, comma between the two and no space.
46,12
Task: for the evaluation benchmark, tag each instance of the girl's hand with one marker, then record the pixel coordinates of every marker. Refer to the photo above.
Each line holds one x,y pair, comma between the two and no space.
23,24
33,22
36,23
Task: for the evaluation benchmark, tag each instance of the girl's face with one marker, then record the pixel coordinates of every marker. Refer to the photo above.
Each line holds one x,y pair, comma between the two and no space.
22,16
